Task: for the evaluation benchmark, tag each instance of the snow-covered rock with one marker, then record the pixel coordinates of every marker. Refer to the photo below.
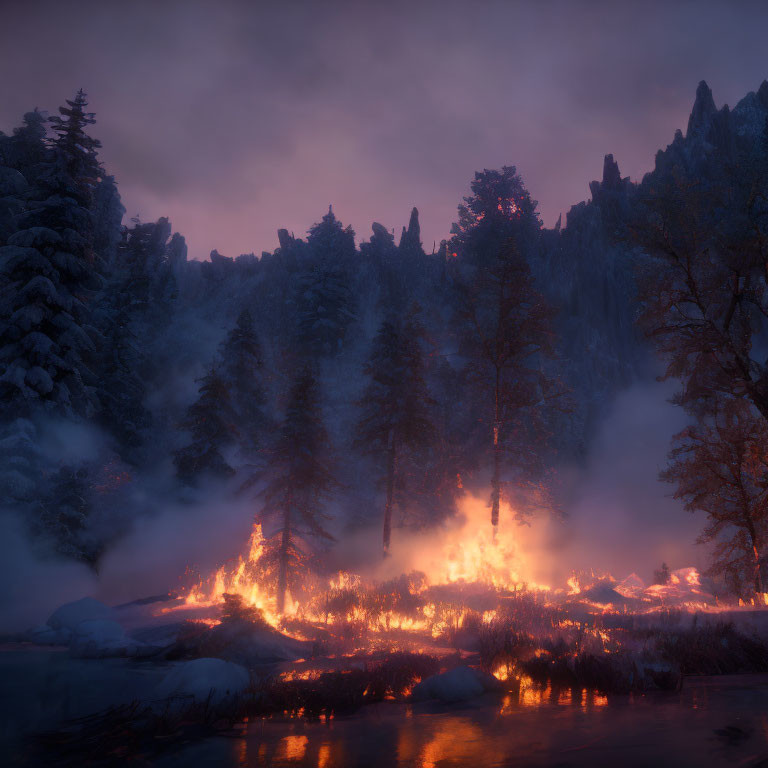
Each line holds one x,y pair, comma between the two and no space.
458,684
202,678
159,636
98,638
69,615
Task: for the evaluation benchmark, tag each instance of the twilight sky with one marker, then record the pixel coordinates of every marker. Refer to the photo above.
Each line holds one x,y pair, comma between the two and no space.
236,118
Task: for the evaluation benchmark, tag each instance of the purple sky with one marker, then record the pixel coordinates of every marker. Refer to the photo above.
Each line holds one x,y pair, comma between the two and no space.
234,119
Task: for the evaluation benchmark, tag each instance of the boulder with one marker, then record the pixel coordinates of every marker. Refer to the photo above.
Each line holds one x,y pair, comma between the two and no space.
158,636
69,615
659,675
204,678
99,638
455,685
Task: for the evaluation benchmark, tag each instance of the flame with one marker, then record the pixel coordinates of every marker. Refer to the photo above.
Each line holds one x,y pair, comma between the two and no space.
403,593
241,579
574,588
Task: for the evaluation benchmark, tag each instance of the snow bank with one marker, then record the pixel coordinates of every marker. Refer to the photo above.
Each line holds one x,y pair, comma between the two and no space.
202,678
69,615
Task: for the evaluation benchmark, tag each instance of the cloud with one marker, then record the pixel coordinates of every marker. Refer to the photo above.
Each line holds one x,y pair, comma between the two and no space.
237,118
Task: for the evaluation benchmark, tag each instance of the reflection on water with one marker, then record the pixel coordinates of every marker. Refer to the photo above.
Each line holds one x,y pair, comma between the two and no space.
452,739
324,756
292,749
711,722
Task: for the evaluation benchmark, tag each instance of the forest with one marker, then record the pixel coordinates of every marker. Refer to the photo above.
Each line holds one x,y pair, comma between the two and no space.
341,382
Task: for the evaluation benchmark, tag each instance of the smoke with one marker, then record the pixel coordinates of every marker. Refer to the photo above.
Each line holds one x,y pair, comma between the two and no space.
34,586
622,519
153,558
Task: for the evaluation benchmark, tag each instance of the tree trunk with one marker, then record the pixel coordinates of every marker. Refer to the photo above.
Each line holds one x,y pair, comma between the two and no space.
391,465
755,553
496,480
282,573
758,577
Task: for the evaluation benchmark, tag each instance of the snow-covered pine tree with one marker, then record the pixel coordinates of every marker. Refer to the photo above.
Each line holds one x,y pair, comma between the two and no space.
20,158
300,482
395,407
211,421
326,305
48,278
25,150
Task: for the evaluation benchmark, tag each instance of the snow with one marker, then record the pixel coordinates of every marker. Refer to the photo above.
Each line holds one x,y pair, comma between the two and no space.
69,615
45,635
202,678
34,237
458,684
98,638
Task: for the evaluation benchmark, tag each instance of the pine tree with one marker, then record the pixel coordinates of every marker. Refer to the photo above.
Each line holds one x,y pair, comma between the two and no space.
395,406
21,157
503,323
122,389
299,486
326,305
242,367
211,421
49,278
135,308
108,214
25,150
64,515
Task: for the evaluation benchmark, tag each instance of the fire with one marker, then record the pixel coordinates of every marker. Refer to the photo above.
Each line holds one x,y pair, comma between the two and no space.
240,579
426,587
465,553
574,588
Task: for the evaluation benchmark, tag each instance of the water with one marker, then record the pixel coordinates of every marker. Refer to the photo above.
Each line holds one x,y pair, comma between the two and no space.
713,721
716,721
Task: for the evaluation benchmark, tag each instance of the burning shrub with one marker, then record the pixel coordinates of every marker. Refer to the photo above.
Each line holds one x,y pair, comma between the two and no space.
400,671
235,609
503,642
401,597
334,692
341,602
